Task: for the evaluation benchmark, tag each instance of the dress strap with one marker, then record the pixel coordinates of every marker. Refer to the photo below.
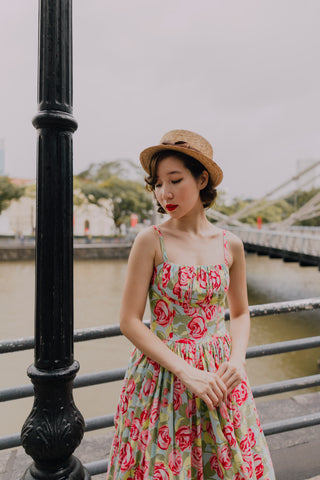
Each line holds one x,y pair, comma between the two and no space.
162,245
225,247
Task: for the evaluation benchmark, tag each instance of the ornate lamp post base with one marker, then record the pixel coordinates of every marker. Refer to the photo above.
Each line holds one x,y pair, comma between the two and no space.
73,470
55,426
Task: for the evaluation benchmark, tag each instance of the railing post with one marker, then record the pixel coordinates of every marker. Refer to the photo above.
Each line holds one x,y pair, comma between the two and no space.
55,426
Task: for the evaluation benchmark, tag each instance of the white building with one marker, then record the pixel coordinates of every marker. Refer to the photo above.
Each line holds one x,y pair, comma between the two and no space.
19,219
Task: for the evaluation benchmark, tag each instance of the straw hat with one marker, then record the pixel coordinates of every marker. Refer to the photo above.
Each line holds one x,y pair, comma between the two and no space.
190,144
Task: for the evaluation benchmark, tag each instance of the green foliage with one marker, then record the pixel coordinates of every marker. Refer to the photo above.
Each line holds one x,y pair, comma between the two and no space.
8,192
108,181
270,213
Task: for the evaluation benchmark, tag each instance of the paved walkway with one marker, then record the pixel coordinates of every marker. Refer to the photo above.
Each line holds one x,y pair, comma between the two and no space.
296,454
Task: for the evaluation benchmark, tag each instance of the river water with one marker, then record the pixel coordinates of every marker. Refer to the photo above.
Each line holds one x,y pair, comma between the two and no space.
98,286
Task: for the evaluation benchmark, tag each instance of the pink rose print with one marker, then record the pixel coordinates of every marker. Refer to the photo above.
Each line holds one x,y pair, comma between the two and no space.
187,296
228,432
215,277
178,385
207,299
138,474
185,274
156,367
196,430
126,457
115,447
197,327
210,431
251,437
196,457
200,475
236,418
245,445
135,429
160,472
258,466
144,440
183,437
164,438
124,405
177,290
175,461
166,274
145,465
224,411
259,424
191,407
240,393
149,387
188,310
215,465
177,400
202,278
144,416
131,388
127,422
210,312
155,412
224,455
248,468
239,476
162,313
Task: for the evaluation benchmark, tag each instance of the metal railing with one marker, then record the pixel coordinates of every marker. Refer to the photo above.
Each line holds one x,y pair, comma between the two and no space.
305,244
96,378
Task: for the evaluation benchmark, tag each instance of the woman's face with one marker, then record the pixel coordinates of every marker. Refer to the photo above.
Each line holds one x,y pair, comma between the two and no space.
176,189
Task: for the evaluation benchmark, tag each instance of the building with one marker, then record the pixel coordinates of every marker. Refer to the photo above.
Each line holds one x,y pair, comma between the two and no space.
19,219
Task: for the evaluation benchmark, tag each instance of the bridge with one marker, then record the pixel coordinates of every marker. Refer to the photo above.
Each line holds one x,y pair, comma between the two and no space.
290,245
280,239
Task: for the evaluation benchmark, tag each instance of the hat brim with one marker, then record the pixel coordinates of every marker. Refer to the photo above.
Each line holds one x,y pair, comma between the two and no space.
213,168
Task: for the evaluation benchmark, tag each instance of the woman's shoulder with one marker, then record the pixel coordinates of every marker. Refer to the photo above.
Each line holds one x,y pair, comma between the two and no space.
145,245
233,240
147,236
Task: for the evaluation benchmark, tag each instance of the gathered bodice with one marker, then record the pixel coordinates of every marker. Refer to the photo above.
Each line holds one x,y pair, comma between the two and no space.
187,302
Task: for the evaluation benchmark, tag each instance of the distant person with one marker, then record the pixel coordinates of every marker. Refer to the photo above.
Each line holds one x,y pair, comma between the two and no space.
186,410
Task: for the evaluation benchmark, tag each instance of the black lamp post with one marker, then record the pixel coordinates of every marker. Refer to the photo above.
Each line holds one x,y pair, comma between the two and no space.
55,426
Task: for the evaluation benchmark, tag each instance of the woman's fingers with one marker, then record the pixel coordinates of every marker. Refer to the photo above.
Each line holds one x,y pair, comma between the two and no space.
218,388
230,375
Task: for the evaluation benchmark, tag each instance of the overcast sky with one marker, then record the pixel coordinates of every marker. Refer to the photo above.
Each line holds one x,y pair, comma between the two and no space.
243,73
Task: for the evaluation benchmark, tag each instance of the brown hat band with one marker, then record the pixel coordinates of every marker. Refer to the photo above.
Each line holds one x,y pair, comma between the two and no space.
182,144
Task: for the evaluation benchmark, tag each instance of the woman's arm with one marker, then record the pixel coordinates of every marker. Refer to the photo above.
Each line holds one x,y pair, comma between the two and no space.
206,385
234,372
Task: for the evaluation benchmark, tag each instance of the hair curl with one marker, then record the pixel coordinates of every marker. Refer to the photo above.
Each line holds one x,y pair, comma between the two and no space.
207,194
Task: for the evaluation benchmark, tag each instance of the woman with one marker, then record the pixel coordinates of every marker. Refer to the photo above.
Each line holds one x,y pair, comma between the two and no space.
186,410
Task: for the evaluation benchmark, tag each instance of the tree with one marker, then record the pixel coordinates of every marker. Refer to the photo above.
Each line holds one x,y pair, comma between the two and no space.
109,181
8,192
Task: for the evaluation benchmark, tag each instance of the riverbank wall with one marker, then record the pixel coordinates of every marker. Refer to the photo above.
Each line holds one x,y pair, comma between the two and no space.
80,252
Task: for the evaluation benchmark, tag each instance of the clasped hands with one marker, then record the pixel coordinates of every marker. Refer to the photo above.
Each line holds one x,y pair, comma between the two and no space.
214,387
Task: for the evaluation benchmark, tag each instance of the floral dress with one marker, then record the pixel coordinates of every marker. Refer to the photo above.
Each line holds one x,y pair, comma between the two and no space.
162,430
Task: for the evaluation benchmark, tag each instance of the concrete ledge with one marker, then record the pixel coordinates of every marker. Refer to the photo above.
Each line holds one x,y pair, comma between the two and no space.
80,252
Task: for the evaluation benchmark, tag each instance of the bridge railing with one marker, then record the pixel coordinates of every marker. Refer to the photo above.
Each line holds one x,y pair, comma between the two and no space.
305,244
95,423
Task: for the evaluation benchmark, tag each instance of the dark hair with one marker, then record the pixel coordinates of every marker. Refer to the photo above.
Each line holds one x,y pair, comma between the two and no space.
207,194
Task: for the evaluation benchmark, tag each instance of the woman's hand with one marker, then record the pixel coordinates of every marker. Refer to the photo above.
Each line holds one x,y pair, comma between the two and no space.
232,374
208,386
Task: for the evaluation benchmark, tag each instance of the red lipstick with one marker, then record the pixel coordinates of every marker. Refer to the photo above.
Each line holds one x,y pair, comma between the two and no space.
170,207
